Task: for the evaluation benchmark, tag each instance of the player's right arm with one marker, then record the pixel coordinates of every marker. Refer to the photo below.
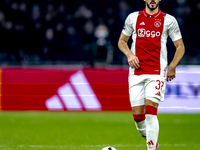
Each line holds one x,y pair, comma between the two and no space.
133,60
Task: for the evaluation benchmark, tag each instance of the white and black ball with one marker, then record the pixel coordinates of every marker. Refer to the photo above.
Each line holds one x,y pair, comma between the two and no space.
109,148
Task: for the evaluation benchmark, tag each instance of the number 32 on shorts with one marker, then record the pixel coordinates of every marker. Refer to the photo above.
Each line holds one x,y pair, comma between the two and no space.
159,85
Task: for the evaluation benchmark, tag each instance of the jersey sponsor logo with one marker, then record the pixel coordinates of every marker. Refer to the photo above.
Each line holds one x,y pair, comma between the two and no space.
157,24
148,33
76,95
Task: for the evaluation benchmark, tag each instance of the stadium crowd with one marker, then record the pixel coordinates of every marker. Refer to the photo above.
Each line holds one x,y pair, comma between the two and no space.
37,32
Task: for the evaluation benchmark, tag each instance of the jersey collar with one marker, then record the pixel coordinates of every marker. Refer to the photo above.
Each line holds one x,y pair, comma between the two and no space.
154,15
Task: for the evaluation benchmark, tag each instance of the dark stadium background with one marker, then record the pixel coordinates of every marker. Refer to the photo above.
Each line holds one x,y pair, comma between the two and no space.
49,32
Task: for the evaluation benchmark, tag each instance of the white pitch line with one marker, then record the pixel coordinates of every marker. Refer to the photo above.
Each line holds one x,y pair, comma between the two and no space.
88,146
133,145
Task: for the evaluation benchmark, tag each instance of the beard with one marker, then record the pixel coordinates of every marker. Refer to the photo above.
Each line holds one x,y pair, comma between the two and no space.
152,8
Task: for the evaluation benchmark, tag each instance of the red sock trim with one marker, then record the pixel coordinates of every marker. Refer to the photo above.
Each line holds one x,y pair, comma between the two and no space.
151,110
139,118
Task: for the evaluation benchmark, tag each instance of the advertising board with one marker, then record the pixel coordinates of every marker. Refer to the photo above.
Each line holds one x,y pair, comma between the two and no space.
90,89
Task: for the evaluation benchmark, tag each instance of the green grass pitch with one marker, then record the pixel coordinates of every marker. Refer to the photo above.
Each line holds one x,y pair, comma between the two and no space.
93,131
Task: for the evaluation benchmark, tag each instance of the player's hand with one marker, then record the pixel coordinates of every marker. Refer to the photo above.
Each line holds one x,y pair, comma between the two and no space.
133,61
171,72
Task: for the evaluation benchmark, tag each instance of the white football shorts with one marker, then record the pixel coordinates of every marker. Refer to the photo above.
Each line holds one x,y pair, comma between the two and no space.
142,87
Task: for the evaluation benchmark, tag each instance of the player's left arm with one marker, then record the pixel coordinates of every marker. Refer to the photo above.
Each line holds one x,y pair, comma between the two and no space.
180,50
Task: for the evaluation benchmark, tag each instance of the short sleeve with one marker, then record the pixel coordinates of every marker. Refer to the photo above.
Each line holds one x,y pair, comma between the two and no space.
128,26
174,30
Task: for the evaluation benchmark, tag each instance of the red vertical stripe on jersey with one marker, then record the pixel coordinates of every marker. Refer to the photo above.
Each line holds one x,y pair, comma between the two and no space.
148,42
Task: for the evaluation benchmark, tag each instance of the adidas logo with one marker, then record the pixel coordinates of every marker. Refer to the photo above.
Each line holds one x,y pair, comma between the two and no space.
142,23
150,143
77,95
158,94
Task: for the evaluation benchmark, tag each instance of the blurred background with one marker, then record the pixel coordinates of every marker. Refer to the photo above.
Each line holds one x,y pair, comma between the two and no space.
86,32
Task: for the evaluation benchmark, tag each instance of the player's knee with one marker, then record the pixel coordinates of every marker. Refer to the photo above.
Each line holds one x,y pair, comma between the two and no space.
152,103
138,110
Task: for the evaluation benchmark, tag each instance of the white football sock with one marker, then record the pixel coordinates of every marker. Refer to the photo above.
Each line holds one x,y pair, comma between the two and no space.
141,127
152,130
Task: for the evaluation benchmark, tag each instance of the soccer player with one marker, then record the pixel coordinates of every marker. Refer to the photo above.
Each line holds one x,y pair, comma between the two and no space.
147,59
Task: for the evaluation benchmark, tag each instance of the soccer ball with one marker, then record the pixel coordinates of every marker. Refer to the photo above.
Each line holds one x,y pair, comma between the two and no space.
109,148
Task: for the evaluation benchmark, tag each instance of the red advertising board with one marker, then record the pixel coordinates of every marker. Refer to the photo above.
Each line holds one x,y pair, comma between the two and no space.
88,89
